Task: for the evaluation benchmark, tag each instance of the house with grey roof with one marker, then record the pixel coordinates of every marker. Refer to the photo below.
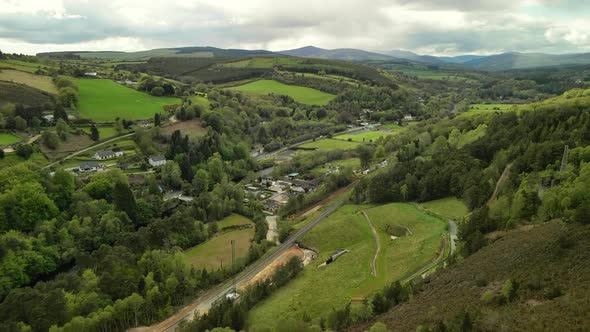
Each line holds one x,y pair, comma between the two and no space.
157,160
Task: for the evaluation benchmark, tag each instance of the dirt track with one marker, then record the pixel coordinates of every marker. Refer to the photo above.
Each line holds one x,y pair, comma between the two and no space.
374,260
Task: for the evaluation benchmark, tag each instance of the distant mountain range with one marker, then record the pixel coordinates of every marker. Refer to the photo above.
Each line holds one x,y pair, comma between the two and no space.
497,62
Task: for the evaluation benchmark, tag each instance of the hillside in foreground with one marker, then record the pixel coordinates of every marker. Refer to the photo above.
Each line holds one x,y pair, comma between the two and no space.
536,278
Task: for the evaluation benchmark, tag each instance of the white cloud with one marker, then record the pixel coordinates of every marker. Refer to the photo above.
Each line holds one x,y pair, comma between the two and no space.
436,26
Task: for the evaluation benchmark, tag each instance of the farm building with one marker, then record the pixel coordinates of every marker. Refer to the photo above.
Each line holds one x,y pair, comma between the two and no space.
156,161
107,154
90,166
335,255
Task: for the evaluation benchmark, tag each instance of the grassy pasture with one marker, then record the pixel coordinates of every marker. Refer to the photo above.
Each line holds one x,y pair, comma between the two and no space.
192,128
43,83
300,94
234,220
210,254
104,100
449,207
7,139
29,67
362,136
317,290
329,144
103,131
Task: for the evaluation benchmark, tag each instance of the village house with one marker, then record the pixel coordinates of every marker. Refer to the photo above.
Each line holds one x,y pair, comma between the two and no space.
107,154
90,166
156,161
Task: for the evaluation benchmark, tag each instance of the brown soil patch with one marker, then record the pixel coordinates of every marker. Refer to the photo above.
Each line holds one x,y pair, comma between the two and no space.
270,269
73,144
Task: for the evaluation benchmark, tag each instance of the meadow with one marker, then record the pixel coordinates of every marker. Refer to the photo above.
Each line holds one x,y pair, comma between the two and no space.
449,207
41,82
300,94
104,100
234,220
212,253
103,131
7,139
192,128
319,289
30,67
329,144
362,136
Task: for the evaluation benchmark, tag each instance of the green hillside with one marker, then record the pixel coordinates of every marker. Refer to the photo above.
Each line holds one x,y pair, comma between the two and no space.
300,94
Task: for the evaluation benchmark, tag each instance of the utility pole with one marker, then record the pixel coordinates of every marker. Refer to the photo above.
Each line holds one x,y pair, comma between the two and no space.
233,260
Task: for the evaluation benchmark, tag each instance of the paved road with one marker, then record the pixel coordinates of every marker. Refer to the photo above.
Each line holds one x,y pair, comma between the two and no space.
170,325
374,261
88,149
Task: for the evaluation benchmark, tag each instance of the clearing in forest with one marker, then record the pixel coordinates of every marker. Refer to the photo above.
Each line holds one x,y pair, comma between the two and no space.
300,94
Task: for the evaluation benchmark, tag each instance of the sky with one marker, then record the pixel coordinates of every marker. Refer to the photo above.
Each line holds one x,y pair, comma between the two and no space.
437,27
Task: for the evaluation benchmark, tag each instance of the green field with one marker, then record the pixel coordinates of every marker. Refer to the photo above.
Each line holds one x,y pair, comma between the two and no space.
30,67
478,109
362,136
212,253
449,207
234,220
329,144
390,126
43,83
7,139
298,93
12,159
103,131
319,289
104,100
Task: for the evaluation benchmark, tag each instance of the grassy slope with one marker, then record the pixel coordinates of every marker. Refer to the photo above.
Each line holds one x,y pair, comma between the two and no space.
525,255
362,136
199,100
300,94
449,207
103,131
43,83
210,254
12,159
318,290
6,139
234,220
328,144
104,100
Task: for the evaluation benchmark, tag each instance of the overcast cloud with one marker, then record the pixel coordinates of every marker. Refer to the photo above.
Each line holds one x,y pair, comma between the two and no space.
440,27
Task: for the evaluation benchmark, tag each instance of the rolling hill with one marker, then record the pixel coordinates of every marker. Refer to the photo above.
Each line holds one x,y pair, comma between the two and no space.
515,60
185,52
350,54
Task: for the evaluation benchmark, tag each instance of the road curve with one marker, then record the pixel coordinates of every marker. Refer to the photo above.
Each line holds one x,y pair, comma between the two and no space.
170,324
374,261
87,149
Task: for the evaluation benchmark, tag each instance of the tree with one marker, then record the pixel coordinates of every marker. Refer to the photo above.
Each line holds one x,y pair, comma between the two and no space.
119,127
24,206
157,91
50,140
62,129
60,113
157,119
24,151
1,154
365,154
124,200
94,133
171,174
61,188
582,213
201,181
67,97
20,123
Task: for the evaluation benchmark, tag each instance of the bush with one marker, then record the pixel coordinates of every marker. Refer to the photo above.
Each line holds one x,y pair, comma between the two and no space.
552,292
24,151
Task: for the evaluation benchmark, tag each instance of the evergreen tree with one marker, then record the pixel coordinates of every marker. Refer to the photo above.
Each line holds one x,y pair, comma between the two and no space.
124,200
94,133
157,120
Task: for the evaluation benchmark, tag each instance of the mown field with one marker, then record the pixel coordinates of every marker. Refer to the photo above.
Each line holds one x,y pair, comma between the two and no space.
7,139
449,207
43,83
212,253
104,100
319,289
192,128
329,144
300,94
362,136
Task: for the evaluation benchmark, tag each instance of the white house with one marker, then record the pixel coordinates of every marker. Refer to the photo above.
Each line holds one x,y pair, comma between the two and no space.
156,161
408,117
91,74
107,154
